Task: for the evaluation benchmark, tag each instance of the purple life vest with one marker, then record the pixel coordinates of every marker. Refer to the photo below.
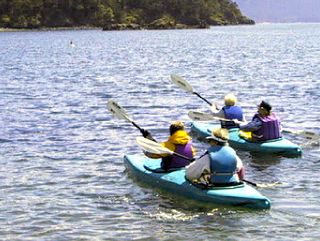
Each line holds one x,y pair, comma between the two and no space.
175,161
270,128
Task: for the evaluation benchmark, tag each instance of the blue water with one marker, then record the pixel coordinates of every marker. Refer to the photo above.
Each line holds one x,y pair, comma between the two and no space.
61,152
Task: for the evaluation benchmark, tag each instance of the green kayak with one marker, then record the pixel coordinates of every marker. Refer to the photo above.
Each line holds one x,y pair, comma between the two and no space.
149,171
279,146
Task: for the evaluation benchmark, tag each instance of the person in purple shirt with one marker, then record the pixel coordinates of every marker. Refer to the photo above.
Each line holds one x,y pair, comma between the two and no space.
265,125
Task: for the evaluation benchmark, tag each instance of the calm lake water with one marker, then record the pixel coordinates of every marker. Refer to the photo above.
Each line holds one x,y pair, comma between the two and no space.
61,152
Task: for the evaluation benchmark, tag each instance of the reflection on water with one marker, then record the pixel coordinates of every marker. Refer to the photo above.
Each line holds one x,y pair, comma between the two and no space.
263,161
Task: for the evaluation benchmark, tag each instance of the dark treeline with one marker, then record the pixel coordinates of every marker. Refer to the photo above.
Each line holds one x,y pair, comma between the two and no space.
106,13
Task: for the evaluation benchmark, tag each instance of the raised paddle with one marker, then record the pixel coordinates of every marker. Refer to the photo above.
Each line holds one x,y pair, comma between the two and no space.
120,113
183,84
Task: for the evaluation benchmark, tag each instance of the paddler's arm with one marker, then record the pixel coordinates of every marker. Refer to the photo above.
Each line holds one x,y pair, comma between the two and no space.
216,112
240,168
196,168
194,151
253,125
244,117
146,134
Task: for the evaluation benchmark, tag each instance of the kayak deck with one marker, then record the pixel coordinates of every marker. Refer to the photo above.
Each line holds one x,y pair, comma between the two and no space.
280,146
175,182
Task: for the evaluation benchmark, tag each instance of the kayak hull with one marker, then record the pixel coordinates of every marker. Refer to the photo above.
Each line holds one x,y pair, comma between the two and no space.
279,146
175,182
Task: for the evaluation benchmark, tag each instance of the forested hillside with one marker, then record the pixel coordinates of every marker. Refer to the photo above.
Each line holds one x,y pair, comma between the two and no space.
116,13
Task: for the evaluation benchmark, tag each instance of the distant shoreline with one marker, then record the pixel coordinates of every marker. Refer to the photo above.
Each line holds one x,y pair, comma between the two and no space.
119,27
47,29
179,27
99,28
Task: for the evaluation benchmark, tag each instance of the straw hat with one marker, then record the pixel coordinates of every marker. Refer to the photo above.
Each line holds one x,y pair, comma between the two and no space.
220,135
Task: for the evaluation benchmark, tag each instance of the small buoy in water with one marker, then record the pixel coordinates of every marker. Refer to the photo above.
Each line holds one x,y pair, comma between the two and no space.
72,44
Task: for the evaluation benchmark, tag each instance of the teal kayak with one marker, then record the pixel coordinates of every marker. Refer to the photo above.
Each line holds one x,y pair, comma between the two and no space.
149,171
278,146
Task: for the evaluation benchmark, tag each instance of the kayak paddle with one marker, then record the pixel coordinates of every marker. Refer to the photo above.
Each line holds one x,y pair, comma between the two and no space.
156,148
265,185
201,116
183,84
308,134
120,113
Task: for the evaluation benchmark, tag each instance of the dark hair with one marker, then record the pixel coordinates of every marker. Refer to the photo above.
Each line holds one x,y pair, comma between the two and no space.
265,105
176,126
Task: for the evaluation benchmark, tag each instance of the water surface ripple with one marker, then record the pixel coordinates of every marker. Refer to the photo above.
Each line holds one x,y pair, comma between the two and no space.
61,152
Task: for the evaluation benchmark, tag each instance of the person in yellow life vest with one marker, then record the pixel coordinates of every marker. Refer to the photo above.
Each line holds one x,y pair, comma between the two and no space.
179,141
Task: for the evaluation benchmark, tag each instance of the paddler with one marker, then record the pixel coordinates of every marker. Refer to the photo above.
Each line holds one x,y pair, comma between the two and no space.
220,165
229,111
179,141
265,125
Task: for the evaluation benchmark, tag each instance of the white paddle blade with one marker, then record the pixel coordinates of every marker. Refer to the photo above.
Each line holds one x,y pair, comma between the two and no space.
201,116
268,185
307,134
183,84
117,110
152,147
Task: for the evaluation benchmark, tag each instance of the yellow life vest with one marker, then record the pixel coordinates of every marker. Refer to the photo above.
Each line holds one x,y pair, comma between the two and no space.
245,134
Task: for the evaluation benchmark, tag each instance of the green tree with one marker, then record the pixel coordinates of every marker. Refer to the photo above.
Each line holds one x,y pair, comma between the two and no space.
105,15
67,13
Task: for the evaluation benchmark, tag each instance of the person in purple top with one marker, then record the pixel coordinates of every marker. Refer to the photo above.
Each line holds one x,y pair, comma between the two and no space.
265,125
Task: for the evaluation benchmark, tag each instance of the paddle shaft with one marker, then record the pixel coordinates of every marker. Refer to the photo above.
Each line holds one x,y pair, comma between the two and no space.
183,84
182,156
118,111
133,123
197,94
252,183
